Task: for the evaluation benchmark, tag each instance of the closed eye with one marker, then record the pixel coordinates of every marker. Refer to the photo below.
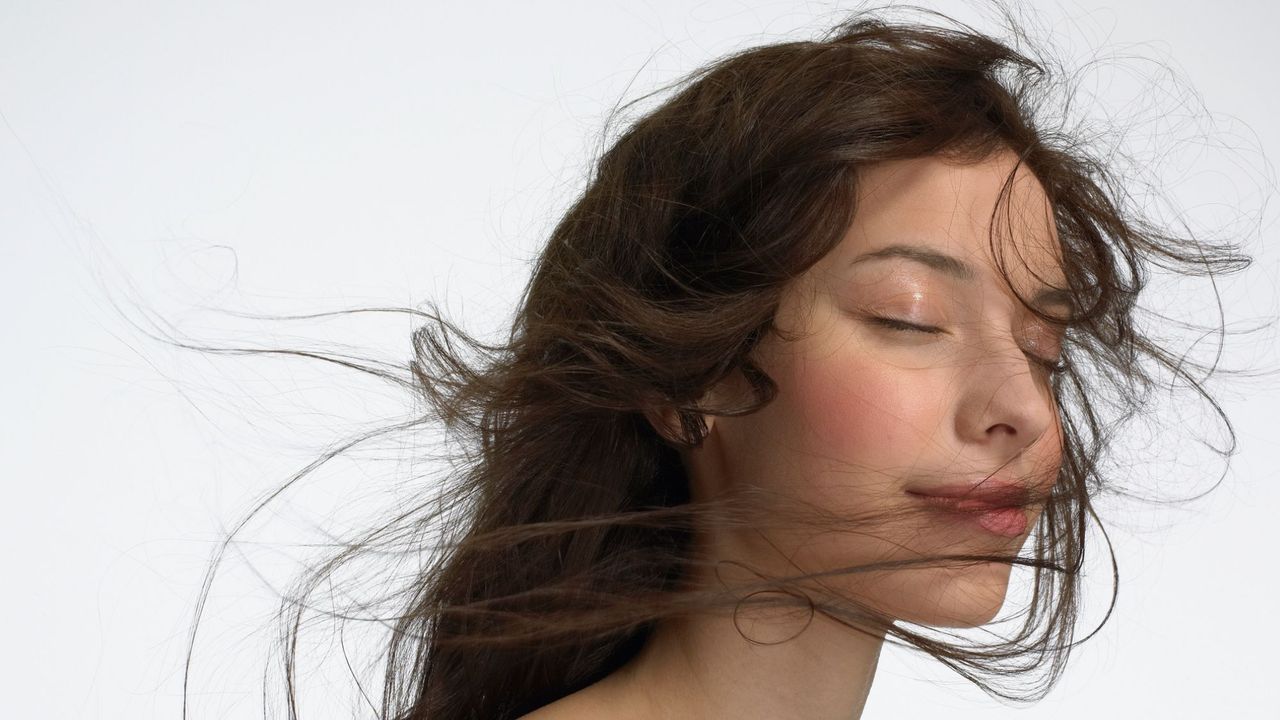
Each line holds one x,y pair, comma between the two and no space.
1053,366
896,324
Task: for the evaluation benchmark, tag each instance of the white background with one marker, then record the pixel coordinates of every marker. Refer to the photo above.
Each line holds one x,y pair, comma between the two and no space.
297,157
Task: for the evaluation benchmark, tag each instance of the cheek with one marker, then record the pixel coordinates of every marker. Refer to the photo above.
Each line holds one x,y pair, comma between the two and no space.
1046,454
862,409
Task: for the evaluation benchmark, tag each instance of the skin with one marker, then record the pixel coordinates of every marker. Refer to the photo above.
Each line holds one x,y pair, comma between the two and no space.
950,388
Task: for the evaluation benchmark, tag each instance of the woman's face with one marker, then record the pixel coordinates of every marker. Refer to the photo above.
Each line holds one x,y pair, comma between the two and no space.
917,374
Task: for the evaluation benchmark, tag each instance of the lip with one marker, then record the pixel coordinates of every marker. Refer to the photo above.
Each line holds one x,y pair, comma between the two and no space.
998,507
984,492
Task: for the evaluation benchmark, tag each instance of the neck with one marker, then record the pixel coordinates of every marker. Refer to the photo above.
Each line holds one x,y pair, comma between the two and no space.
704,667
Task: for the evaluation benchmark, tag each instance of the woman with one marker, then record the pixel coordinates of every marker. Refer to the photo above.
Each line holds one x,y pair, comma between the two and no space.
830,336
917,381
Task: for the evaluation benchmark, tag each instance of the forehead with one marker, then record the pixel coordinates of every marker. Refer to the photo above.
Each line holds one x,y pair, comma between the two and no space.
975,211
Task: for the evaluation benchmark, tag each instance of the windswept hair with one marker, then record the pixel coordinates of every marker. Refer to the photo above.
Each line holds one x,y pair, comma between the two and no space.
566,522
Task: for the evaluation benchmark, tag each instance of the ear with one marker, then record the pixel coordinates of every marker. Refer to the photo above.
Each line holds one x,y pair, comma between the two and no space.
666,422
666,419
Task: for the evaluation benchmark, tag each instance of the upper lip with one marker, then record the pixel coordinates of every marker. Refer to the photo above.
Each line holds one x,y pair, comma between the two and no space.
986,491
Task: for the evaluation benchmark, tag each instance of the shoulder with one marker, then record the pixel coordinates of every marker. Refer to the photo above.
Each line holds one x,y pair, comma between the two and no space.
569,708
591,703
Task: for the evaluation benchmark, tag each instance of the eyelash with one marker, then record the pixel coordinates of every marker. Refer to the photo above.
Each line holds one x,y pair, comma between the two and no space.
1053,367
895,324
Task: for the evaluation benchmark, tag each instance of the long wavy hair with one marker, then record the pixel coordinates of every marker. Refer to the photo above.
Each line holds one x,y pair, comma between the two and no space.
557,541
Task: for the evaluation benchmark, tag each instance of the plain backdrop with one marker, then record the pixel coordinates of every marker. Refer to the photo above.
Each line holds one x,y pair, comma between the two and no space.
290,157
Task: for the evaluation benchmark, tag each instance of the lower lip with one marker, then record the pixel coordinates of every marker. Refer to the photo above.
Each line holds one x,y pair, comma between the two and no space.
1003,521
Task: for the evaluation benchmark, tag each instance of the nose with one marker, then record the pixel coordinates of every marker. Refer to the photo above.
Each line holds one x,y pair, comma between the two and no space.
1006,403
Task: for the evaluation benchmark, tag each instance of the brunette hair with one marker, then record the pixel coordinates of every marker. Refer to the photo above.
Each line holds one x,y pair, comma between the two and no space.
561,534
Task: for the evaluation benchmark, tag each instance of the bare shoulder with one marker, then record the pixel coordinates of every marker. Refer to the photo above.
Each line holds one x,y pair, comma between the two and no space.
571,708
602,700
567,709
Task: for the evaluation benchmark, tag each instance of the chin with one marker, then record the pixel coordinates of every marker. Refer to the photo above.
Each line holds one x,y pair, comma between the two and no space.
952,597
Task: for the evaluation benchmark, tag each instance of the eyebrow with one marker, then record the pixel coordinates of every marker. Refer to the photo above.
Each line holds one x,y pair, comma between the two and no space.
959,269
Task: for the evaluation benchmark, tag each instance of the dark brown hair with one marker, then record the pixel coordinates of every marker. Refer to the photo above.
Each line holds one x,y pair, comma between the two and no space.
560,536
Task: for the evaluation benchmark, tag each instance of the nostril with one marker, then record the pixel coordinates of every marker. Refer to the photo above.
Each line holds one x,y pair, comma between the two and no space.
1002,428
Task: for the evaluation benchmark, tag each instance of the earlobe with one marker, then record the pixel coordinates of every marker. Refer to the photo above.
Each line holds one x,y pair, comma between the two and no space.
666,422
662,423
665,419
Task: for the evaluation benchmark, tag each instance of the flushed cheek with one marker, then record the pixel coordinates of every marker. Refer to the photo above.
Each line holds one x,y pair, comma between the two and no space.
863,412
